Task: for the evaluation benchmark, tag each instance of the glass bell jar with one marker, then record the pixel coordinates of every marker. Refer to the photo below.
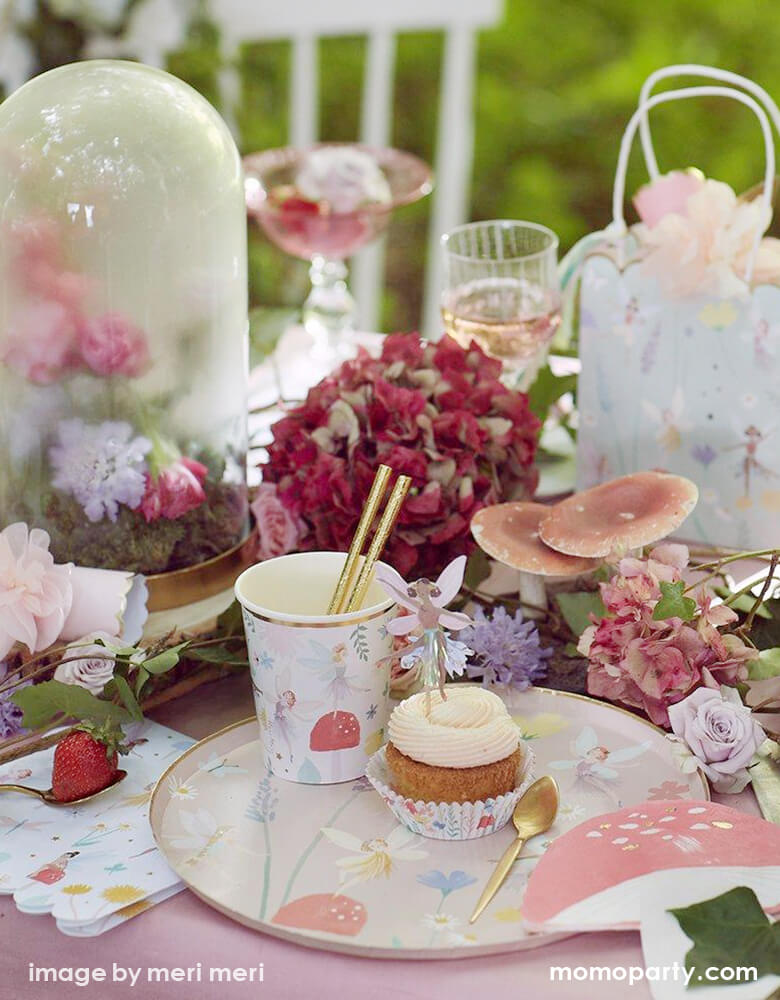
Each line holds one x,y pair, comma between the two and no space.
123,319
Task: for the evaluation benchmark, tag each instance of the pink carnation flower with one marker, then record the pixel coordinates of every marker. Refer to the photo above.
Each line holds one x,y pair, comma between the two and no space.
175,490
35,594
277,531
112,345
669,193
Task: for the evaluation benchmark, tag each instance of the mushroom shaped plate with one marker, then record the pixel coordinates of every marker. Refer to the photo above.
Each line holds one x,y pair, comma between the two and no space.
329,866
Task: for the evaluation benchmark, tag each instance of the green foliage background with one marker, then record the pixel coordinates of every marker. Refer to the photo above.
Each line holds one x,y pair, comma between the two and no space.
556,84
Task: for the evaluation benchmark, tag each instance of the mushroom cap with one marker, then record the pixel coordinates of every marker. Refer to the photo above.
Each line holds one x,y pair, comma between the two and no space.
324,911
509,532
335,731
624,513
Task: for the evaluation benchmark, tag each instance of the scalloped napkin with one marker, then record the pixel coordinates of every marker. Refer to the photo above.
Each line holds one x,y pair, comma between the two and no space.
95,865
595,876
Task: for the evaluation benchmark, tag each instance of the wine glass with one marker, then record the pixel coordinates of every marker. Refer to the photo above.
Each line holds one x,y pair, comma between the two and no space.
316,231
501,289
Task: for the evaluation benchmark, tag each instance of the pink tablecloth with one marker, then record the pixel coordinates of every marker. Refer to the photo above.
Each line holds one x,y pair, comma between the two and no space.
184,931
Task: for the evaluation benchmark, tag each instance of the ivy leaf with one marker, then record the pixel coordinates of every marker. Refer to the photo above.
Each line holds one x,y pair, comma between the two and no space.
164,661
577,608
41,703
673,603
727,931
547,389
141,679
767,665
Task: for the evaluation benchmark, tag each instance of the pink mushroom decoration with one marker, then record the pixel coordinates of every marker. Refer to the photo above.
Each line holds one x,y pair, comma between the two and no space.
324,911
509,533
619,515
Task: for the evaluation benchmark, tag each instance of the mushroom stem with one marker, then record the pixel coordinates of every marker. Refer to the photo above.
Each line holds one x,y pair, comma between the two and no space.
532,593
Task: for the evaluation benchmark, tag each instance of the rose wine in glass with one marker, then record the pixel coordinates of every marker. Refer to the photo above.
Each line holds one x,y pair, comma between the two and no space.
501,290
321,204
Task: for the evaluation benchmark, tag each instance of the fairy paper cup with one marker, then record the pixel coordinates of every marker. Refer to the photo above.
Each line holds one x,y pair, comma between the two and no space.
321,682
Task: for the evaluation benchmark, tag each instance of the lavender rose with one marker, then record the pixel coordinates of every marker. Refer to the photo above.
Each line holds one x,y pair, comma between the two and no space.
92,671
720,733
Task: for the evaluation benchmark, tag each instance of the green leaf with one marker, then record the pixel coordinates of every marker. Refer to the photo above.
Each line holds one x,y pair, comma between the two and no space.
547,389
41,703
477,569
742,603
577,608
128,698
220,654
728,931
141,679
673,603
163,662
767,665
231,621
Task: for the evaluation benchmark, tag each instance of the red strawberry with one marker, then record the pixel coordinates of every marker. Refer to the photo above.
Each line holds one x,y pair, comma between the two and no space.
85,762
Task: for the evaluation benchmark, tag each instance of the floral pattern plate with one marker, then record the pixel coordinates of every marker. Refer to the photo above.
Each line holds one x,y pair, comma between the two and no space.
329,866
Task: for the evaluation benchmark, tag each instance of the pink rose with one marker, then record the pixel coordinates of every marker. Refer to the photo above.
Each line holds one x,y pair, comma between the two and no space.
112,345
95,668
277,531
36,593
720,733
41,342
666,194
174,491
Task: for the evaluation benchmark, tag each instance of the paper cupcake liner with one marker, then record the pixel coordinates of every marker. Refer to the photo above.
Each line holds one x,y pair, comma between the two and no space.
450,820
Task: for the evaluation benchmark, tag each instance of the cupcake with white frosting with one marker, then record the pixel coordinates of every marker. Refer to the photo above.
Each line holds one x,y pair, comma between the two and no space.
453,767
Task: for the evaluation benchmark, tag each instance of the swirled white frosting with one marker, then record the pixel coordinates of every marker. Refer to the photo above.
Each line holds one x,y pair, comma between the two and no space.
470,728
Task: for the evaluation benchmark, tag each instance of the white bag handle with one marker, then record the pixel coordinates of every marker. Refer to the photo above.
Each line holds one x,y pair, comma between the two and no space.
710,73
618,227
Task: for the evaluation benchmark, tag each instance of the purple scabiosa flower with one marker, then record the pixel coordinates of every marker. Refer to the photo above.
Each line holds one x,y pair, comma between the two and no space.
704,453
10,713
506,649
101,465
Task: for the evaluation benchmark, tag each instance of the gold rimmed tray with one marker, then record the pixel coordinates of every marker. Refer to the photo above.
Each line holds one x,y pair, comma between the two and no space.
328,866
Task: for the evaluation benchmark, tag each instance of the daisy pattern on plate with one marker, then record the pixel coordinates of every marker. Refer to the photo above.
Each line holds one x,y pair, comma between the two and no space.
440,921
179,789
373,858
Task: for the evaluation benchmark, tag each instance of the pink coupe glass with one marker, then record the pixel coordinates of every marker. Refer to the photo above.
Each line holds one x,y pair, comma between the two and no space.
323,237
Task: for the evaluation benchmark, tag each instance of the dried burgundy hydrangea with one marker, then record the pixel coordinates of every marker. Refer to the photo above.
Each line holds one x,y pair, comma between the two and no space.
436,412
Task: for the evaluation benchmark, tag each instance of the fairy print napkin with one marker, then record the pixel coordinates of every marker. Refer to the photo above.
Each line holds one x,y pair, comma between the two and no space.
95,865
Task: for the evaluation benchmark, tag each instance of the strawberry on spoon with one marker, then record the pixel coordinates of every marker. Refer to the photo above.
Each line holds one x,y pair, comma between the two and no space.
85,762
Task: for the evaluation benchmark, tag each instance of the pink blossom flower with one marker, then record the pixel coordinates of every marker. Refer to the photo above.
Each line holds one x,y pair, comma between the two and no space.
112,345
175,490
278,532
41,342
666,194
39,265
720,734
705,250
35,594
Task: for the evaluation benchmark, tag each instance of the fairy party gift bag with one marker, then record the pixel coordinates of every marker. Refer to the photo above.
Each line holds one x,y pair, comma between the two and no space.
679,329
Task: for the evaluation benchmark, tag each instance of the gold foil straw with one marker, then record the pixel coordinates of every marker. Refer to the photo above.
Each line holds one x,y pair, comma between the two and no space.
338,603
386,525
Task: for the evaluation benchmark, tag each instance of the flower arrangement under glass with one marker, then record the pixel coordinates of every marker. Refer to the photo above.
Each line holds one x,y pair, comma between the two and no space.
123,319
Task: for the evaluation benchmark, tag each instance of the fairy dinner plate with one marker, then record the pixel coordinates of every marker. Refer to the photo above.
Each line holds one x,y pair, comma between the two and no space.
329,866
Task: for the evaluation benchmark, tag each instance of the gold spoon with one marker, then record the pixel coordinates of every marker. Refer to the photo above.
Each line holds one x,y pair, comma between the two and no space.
47,795
534,813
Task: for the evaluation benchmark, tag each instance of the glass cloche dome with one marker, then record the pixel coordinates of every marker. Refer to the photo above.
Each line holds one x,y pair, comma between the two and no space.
123,319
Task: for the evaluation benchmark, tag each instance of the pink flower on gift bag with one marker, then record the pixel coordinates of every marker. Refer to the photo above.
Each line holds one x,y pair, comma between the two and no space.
277,531
35,593
668,193
112,345
175,490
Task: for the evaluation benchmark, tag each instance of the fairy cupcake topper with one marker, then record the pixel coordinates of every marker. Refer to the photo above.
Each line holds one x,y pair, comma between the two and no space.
427,620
